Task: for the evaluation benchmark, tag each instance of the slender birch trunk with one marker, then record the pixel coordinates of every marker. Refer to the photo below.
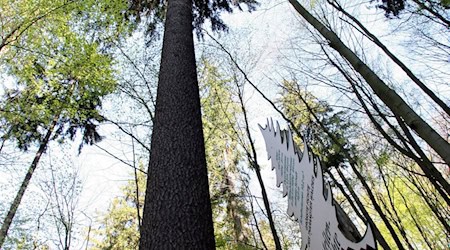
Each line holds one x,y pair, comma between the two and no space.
386,94
15,204
408,72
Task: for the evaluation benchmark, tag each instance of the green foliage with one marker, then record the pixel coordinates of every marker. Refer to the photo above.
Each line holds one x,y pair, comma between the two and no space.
406,199
295,109
119,227
27,22
230,214
60,70
414,213
68,88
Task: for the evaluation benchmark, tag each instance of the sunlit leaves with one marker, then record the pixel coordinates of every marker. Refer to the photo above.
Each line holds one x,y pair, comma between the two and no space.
61,73
408,210
119,227
219,111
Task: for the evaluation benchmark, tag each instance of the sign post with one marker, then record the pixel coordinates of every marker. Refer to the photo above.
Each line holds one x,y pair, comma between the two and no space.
310,200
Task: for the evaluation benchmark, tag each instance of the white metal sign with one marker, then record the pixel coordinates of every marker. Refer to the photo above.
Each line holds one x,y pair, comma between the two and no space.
309,199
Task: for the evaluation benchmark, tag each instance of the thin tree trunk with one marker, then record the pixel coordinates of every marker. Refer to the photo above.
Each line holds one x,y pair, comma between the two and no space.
435,177
411,75
15,205
359,209
379,237
252,209
426,165
254,163
353,164
433,12
346,233
392,211
232,201
386,94
233,211
441,216
413,216
136,182
293,127
177,211
375,203
348,197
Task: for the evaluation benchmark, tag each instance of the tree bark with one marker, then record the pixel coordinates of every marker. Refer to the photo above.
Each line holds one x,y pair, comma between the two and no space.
177,212
386,94
15,205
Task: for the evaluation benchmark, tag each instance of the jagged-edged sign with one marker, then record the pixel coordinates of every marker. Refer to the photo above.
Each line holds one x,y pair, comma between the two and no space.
309,199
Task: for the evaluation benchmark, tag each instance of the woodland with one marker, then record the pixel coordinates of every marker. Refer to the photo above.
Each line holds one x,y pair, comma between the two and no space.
129,124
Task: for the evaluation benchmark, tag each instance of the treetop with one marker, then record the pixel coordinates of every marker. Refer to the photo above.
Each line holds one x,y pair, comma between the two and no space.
202,10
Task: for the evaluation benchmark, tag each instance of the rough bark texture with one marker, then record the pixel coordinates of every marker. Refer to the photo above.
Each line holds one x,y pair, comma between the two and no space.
23,187
177,212
386,94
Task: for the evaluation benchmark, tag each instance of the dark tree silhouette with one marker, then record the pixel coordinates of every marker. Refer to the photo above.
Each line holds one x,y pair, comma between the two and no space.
391,7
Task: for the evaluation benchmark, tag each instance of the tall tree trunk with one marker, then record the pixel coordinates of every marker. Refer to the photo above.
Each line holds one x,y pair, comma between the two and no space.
177,212
231,195
375,40
136,182
365,216
386,94
431,172
15,204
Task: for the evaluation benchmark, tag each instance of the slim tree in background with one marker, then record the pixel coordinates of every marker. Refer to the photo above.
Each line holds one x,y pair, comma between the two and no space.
60,74
382,90
62,105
